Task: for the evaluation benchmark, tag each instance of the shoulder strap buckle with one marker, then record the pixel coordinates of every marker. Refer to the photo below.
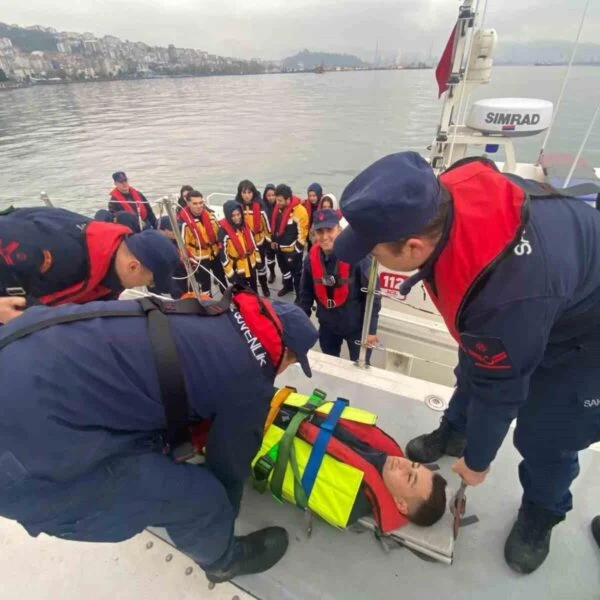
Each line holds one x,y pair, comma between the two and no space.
15,291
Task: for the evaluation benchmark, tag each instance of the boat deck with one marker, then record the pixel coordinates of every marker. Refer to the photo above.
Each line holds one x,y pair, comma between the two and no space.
343,564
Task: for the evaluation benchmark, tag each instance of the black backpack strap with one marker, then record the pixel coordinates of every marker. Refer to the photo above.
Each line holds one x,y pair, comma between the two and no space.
177,439
59,320
539,189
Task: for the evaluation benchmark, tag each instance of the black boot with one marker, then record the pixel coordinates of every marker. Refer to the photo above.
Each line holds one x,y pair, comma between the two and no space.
429,447
284,291
528,544
271,275
596,529
253,553
264,286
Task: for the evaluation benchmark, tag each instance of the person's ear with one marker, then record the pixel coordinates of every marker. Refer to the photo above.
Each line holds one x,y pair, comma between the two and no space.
134,265
401,505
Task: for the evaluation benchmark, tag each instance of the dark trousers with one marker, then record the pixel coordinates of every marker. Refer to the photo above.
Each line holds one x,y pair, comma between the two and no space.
203,274
270,258
560,417
123,496
290,265
261,271
331,343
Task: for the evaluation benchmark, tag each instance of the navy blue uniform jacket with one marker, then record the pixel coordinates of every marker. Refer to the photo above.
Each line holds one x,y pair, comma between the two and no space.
81,392
43,250
348,318
553,273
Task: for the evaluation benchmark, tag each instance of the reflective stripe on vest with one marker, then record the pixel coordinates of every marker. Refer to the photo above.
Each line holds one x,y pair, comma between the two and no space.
139,203
101,241
490,213
329,296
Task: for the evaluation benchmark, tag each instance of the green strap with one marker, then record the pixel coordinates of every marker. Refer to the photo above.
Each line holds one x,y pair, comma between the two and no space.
286,443
300,496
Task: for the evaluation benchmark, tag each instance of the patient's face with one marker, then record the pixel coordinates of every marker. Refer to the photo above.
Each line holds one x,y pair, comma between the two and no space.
409,483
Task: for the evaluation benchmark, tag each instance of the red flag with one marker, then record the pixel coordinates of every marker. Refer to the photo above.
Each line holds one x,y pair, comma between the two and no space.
444,68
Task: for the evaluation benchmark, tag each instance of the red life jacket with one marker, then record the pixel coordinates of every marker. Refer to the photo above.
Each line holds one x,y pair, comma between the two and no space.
207,239
263,322
489,218
235,240
102,241
329,296
256,216
278,226
125,205
385,511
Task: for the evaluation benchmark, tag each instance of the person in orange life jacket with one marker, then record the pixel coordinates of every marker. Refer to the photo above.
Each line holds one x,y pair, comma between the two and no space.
127,198
238,251
336,286
53,256
121,218
417,492
522,308
289,232
257,221
86,456
269,204
200,230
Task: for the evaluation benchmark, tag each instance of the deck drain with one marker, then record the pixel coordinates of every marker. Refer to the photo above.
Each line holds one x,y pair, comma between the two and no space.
435,403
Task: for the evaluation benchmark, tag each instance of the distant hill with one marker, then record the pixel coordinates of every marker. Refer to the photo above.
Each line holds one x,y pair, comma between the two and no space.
28,40
308,61
532,52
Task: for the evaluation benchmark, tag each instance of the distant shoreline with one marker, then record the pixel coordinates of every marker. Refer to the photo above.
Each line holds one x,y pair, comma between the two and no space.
12,85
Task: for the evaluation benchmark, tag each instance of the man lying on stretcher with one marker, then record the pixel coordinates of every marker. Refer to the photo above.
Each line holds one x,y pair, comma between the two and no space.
332,459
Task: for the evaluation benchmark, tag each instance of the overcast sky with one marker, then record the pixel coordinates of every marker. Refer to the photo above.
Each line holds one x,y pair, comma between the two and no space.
273,29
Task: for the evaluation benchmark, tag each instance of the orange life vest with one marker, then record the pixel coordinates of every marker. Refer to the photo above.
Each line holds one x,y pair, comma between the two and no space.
329,296
490,213
125,205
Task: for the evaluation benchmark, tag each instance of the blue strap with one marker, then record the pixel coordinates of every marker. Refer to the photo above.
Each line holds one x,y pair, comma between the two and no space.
319,447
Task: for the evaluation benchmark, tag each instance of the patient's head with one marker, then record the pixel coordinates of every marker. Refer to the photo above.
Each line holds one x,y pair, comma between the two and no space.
419,493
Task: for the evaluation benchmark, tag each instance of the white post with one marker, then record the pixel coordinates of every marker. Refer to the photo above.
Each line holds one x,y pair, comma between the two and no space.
170,210
371,291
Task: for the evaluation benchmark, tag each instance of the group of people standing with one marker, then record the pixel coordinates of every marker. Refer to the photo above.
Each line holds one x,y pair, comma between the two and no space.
257,233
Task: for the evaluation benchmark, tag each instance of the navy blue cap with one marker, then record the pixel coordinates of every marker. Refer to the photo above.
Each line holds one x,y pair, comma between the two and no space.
394,198
119,177
299,334
325,218
157,253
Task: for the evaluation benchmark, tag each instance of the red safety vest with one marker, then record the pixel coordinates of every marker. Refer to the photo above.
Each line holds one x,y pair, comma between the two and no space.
278,228
329,296
256,216
207,239
235,240
102,241
489,218
125,205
